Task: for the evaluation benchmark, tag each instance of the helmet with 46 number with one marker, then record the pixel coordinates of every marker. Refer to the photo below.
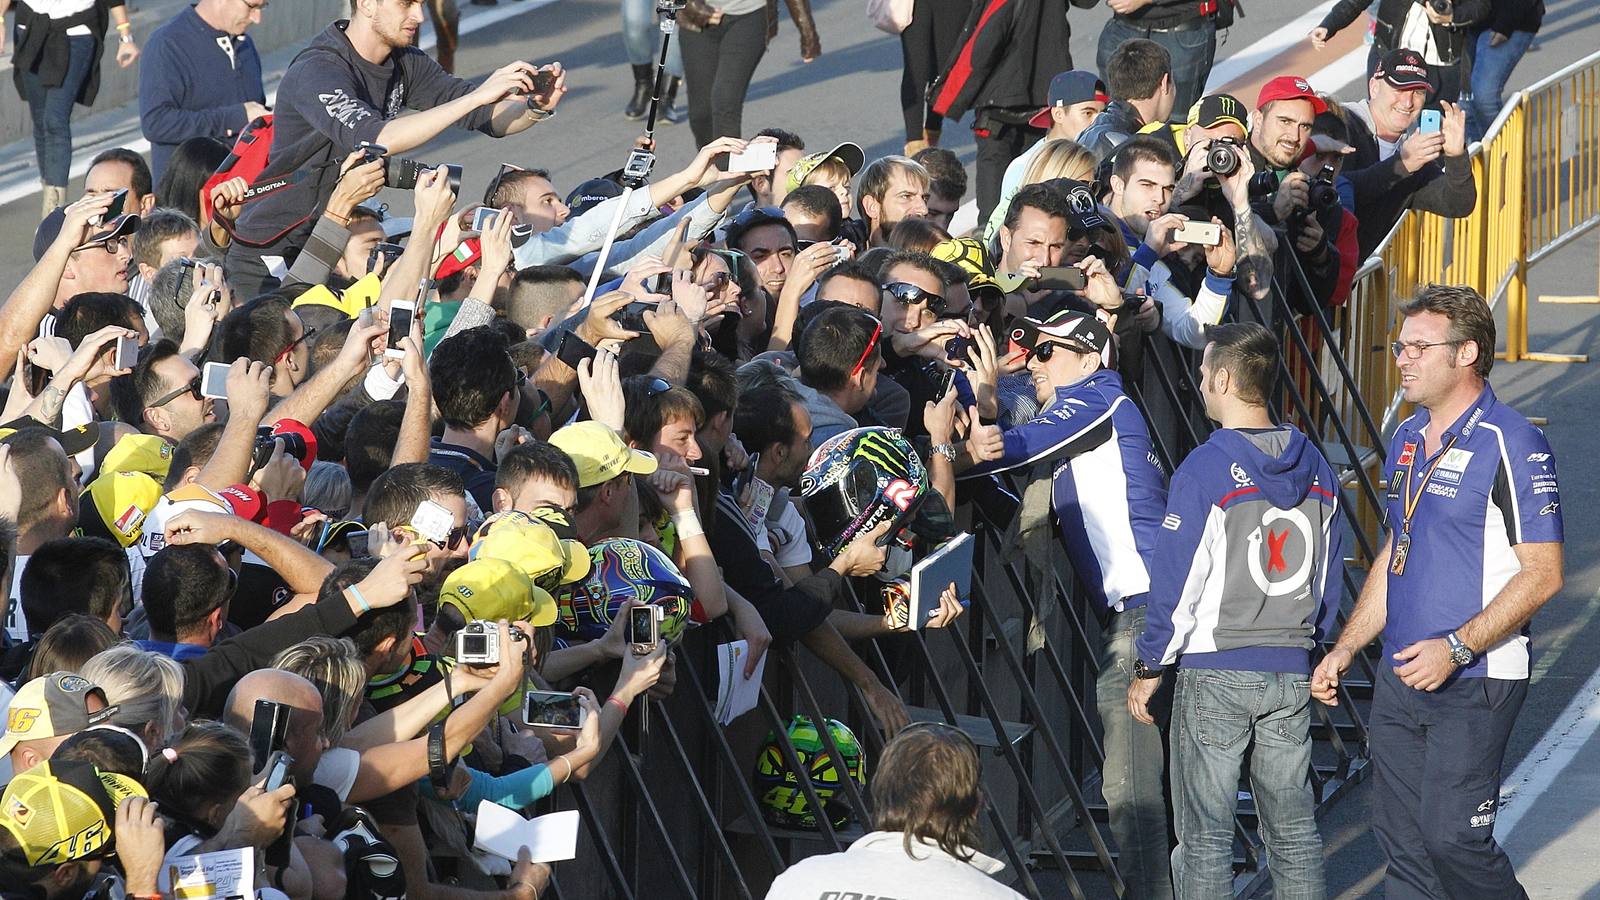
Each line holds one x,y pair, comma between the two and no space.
783,801
866,476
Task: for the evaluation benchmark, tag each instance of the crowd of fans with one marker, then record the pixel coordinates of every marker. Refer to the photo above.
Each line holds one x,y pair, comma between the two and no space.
272,459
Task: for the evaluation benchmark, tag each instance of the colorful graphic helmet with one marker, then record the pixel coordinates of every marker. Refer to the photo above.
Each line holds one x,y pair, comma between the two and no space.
783,802
623,569
860,478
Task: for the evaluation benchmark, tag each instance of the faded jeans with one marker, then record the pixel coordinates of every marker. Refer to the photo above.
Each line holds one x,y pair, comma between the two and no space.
1491,69
52,111
1220,716
1135,765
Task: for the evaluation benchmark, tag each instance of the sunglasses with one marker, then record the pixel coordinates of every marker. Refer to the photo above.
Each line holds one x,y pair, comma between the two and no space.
284,353
763,213
492,194
193,387
877,332
911,295
656,387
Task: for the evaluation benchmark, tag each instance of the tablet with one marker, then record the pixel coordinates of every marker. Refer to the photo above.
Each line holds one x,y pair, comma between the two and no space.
929,578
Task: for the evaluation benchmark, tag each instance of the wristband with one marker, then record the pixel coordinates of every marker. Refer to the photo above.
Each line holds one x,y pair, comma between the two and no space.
536,113
620,705
365,606
564,759
687,523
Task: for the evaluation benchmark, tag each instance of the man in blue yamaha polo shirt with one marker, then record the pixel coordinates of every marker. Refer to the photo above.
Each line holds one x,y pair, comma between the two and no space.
1109,494
1473,551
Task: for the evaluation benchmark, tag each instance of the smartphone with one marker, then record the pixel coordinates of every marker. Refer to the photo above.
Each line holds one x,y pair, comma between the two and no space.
762,157
947,380
277,771
1431,121
1207,233
544,81
127,352
268,726
553,709
644,629
742,480
358,543
214,381
433,522
574,350
1061,278
400,314
483,218
118,201
631,317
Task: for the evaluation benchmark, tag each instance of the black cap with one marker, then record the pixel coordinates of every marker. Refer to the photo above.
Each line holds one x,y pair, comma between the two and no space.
591,193
1074,330
1404,69
50,229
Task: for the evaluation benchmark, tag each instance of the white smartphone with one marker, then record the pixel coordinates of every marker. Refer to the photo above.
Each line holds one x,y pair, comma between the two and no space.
1192,232
400,314
433,522
762,157
127,352
214,381
553,709
483,218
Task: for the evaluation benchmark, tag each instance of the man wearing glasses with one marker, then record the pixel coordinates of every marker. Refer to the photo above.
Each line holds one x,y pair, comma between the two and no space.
1089,443
99,263
201,77
1473,550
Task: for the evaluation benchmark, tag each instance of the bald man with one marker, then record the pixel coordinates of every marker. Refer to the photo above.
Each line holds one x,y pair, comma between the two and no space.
303,738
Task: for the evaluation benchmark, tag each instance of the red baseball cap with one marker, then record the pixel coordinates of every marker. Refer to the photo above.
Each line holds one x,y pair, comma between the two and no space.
1290,87
468,253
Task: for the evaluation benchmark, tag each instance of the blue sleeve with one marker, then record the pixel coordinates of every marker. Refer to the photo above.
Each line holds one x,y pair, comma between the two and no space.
162,116
1333,581
1532,502
1070,426
1178,571
518,790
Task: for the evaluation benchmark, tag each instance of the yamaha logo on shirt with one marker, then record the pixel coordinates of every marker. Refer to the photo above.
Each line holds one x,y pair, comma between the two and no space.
1452,466
1241,478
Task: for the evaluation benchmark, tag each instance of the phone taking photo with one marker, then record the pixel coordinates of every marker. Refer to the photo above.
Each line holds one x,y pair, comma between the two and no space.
268,726
214,381
573,350
127,353
483,218
1432,120
401,313
553,709
762,157
644,629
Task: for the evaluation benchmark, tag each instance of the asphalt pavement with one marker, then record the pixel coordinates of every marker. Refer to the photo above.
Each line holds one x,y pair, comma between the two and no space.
851,93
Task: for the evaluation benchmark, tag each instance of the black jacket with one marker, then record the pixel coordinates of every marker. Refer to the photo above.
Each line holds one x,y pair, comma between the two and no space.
1384,190
1118,122
1008,52
1321,265
1452,39
1506,16
41,47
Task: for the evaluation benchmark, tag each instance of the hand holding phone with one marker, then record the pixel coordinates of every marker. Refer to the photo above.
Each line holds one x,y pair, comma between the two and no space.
127,354
1432,120
401,313
644,628
553,709
433,522
1197,232
757,157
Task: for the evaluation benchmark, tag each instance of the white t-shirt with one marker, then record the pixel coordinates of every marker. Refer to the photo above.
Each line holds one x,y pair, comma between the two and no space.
877,865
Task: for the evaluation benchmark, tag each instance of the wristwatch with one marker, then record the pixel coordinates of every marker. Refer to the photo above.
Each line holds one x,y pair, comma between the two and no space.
946,450
1460,653
1140,670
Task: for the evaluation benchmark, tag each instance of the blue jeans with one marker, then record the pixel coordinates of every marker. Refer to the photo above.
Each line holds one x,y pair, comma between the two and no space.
1135,767
1490,72
1192,53
641,36
52,111
1220,716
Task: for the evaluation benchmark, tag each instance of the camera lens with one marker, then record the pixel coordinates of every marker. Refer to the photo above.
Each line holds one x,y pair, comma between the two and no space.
1222,159
399,172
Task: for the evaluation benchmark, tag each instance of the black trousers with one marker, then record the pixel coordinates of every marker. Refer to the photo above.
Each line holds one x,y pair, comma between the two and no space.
926,46
998,144
718,63
1437,759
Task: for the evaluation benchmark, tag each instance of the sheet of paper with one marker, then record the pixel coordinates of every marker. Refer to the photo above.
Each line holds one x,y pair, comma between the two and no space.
736,694
223,875
549,838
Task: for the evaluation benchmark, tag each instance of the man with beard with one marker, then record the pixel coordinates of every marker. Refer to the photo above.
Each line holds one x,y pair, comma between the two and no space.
1280,129
893,189
350,87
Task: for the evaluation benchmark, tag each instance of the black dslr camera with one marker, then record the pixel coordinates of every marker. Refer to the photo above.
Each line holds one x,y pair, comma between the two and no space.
1223,157
294,445
399,172
1323,196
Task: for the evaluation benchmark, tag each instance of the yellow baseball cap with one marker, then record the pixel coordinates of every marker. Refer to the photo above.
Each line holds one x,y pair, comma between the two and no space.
54,705
117,504
600,454
533,548
60,811
147,453
494,589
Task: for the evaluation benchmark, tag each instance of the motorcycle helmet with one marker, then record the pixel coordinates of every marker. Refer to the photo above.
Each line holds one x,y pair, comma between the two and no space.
623,569
783,803
862,477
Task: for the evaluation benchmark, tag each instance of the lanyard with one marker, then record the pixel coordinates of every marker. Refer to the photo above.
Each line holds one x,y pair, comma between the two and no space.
1410,501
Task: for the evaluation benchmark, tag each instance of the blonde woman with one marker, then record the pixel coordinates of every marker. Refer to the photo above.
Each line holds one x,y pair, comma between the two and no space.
1058,158
146,688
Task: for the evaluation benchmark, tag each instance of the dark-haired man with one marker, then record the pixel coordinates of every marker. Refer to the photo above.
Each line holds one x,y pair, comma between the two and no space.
185,592
121,169
49,508
1184,28
1472,550
1280,130
86,575
1245,578
1143,95
475,387
840,355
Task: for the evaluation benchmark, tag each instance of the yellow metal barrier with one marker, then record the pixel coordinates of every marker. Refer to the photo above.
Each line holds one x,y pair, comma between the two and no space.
1538,178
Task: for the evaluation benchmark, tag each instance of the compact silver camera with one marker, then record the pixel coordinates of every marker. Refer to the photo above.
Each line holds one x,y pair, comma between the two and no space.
478,643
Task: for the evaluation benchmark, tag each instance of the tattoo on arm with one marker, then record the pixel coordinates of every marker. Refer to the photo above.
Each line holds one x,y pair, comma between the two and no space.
1254,268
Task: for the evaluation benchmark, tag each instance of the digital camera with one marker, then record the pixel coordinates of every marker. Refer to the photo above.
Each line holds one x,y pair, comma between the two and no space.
478,643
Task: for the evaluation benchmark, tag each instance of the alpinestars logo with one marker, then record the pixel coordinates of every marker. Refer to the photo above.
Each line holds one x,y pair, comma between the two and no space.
1485,815
347,110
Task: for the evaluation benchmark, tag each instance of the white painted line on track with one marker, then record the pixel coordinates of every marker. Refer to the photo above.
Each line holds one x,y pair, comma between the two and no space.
1267,47
1570,731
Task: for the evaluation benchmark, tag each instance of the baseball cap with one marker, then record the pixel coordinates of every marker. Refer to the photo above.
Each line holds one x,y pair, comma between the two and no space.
1290,87
600,454
495,589
532,547
115,505
1404,69
55,705
153,536
62,810
969,256
50,228
73,440
1216,109
466,253
590,194
1067,88
1078,331
848,153
147,453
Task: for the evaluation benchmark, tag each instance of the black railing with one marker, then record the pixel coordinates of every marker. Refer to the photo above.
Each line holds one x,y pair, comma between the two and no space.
672,811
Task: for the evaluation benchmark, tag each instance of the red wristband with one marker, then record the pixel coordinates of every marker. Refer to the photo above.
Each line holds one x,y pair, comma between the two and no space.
620,705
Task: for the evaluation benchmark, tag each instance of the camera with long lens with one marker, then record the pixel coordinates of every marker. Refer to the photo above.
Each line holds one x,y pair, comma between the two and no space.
293,445
478,643
1223,157
1263,184
402,173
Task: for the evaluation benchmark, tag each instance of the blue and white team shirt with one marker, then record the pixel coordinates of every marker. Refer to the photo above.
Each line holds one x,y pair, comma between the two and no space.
1493,486
1107,489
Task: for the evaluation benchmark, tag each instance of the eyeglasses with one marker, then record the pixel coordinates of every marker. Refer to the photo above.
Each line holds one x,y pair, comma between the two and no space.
1413,349
193,387
454,537
284,353
493,192
911,295
656,387
112,246
716,282
877,332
